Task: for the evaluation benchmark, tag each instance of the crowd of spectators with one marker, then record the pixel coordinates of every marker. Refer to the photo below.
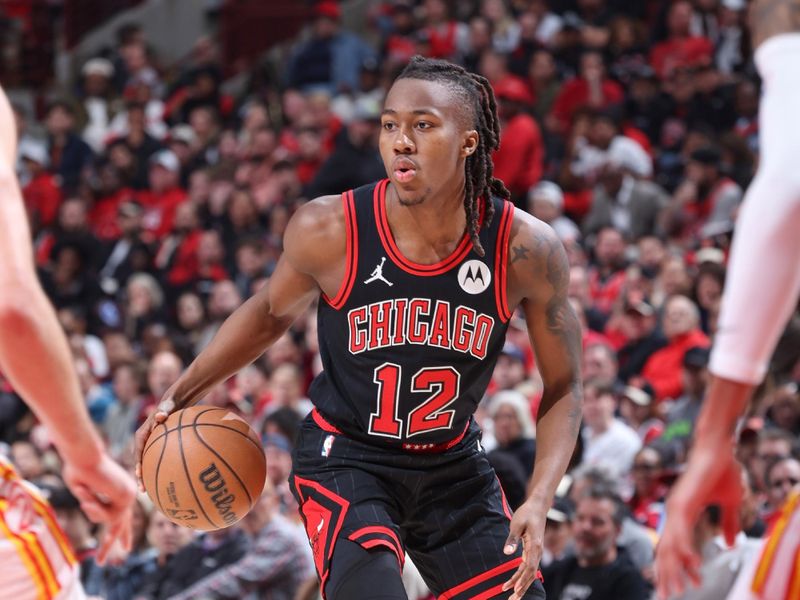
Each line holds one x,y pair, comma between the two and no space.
158,197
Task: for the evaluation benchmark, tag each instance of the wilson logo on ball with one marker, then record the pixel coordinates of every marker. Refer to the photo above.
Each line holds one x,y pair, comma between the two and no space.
214,484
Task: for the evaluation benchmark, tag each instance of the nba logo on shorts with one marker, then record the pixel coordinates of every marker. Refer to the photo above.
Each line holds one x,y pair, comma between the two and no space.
327,445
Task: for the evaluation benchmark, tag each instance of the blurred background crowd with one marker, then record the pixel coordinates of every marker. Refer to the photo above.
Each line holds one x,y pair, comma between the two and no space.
158,192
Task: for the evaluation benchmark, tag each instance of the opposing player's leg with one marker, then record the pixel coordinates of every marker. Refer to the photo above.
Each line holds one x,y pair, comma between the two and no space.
350,519
457,533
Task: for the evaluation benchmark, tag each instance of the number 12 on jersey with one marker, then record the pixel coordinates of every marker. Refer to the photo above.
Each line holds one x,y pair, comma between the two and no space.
442,383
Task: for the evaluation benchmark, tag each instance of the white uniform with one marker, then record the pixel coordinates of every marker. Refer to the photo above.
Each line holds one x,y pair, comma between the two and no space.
763,285
36,560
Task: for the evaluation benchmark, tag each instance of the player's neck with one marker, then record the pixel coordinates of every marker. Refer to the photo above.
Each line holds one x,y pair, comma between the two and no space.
439,220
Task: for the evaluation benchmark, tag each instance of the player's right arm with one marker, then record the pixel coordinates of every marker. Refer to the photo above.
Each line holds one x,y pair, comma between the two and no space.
312,261
35,357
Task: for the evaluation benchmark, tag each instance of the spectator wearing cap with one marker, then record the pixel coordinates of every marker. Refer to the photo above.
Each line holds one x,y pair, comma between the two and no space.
649,489
513,428
607,440
706,201
277,562
127,254
637,407
42,193
557,540
330,60
681,48
681,326
509,372
161,199
638,323
68,154
599,569
546,203
591,88
518,162
98,101
682,416
397,47
625,202
278,451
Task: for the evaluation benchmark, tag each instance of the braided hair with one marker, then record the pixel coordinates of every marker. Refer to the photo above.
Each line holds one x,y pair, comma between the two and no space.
476,93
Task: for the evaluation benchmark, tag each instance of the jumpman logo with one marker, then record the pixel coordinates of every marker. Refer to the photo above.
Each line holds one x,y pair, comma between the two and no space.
377,274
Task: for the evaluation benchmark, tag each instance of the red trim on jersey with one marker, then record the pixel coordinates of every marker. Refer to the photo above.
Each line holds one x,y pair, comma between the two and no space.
504,500
382,530
418,448
387,239
351,253
381,542
470,583
501,262
322,423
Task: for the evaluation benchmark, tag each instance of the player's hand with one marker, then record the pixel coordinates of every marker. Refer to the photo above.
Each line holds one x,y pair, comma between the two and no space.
527,527
106,492
712,477
159,415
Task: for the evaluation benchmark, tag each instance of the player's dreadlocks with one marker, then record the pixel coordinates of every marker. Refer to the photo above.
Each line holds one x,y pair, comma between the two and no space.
478,95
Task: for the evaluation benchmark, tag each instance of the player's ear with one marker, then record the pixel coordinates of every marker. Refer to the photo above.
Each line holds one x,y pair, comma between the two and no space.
470,143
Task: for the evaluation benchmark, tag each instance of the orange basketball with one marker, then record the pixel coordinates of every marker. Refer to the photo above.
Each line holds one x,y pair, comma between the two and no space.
204,467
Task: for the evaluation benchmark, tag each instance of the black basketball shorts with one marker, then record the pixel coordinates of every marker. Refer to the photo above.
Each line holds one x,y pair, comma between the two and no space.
445,509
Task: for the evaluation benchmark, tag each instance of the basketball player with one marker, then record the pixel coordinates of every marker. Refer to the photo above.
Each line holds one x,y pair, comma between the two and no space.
761,293
35,558
418,276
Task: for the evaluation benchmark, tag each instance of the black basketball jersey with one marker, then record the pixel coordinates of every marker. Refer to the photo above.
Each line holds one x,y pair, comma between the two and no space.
408,349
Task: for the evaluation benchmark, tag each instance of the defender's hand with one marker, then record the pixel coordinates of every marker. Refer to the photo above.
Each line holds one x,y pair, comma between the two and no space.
106,492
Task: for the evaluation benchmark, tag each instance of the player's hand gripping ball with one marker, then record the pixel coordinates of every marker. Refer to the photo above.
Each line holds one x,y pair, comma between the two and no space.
204,467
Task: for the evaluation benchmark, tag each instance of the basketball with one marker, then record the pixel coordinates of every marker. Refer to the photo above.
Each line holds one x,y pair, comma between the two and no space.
204,467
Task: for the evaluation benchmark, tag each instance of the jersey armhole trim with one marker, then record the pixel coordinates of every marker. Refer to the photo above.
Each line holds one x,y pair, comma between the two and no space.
351,253
501,262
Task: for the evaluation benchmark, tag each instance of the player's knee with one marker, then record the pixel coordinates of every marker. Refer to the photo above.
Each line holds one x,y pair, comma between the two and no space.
359,574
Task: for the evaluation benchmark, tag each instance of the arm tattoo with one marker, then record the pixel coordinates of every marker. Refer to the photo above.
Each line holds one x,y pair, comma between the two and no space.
520,252
773,17
563,322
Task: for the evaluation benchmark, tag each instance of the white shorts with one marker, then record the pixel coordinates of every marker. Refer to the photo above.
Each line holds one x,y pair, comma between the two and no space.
36,560
776,573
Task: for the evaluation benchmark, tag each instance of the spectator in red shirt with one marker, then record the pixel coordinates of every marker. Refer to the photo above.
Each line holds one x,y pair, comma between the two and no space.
518,161
164,195
592,88
42,194
608,275
177,255
681,325
647,502
680,49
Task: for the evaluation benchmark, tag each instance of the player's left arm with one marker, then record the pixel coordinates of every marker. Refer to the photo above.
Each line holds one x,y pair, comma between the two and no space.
538,276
